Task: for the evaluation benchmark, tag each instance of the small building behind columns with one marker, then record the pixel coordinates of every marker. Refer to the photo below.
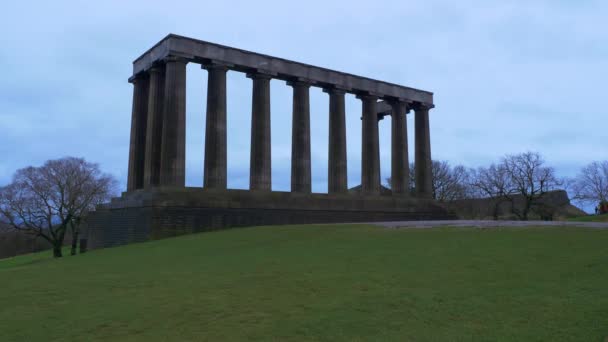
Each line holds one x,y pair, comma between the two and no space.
157,204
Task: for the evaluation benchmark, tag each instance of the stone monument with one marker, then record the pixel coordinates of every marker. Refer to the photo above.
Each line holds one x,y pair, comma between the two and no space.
157,204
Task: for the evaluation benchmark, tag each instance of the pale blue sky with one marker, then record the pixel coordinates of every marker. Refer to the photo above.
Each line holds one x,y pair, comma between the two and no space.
508,76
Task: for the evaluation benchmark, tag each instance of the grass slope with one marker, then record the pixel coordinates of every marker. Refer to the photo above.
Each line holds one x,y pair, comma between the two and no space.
339,282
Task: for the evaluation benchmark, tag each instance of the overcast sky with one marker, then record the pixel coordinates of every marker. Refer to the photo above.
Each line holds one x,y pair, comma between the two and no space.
508,76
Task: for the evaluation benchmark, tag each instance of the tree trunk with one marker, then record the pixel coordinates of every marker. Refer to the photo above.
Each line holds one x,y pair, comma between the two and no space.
524,214
74,242
526,209
514,210
57,250
83,246
496,209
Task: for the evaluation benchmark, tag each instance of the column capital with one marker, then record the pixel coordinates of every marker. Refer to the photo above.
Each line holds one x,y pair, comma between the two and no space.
259,76
214,65
138,77
395,100
300,82
422,106
334,90
157,68
403,106
175,59
368,97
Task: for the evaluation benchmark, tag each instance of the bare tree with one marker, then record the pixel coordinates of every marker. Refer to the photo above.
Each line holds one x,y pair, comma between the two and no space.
529,178
449,183
45,201
412,184
492,182
412,180
591,184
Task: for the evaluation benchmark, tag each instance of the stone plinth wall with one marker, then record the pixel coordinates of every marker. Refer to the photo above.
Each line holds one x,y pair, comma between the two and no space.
144,215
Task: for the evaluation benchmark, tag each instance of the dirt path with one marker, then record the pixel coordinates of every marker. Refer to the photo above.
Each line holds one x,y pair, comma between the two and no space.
489,224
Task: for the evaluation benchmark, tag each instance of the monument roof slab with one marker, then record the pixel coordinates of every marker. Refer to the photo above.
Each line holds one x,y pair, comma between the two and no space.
199,51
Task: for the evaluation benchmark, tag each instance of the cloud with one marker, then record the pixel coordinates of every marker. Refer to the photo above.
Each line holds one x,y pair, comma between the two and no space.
507,77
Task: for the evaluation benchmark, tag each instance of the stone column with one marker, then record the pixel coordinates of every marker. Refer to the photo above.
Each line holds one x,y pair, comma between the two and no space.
260,168
370,159
173,151
337,176
400,169
424,180
154,129
137,146
215,133
300,138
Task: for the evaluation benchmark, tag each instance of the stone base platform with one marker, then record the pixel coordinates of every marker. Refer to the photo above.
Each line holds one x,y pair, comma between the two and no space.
164,212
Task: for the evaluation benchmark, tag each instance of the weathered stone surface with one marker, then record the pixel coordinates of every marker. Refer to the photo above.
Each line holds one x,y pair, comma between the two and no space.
260,167
163,212
247,61
424,180
370,149
157,152
173,150
300,135
337,165
215,133
137,147
154,129
400,168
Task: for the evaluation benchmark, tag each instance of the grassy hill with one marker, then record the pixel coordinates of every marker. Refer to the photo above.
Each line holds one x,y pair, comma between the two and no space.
338,282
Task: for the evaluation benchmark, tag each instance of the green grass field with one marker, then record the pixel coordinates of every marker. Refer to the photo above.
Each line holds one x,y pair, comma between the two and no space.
590,218
333,283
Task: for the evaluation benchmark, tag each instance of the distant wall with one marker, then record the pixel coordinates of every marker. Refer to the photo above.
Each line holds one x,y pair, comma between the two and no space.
13,243
553,206
16,243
